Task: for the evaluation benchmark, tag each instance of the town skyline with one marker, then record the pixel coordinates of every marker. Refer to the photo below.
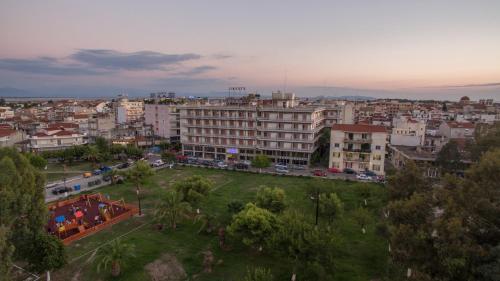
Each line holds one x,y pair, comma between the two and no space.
386,50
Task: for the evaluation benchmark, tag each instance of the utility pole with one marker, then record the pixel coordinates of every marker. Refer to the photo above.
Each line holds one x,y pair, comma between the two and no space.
317,206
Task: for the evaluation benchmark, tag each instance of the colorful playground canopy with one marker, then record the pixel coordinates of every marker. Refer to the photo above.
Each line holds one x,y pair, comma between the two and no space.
60,219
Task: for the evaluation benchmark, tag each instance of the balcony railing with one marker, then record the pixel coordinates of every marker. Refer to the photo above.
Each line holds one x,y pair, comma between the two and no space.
357,150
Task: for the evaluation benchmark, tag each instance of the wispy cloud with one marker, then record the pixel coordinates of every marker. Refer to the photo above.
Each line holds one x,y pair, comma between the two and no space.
47,66
143,60
475,85
222,56
197,70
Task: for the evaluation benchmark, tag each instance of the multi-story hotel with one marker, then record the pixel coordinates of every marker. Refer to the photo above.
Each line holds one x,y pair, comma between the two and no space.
165,120
279,128
358,147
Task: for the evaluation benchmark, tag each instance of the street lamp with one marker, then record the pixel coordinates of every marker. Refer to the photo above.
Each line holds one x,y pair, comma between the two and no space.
139,200
316,198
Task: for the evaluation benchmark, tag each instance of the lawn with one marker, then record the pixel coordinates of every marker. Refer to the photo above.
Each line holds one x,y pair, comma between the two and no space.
57,171
362,256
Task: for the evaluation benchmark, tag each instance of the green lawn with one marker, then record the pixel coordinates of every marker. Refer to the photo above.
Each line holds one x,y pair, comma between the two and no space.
57,171
362,256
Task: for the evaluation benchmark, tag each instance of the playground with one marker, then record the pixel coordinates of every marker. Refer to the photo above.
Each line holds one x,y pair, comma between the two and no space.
75,218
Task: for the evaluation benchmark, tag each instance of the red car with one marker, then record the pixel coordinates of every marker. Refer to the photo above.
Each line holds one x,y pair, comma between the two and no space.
334,170
319,173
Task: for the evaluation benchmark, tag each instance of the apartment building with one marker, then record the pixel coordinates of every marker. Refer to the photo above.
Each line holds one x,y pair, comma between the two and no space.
456,130
408,132
165,119
358,147
102,125
128,111
62,139
8,137
282,130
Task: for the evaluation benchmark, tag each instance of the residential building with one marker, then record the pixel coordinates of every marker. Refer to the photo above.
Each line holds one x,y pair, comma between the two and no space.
128,111
102,125
456,130
408,132
165,120
8,137
62,139
358,147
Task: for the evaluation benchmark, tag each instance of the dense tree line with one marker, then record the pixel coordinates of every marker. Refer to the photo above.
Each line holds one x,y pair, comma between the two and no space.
449,230
23,216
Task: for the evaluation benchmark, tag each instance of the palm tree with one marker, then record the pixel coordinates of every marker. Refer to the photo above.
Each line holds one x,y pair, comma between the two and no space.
171,208
93,155
137,175
115,253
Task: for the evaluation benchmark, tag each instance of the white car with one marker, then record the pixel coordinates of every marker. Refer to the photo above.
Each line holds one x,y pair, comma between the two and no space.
158,163
363,177
222,165
281,170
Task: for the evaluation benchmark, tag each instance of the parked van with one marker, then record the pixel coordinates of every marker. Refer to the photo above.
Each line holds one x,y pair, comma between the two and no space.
87,175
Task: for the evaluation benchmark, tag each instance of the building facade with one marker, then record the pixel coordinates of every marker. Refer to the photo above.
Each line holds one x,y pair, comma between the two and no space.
285,132
128,111
358,147
408,132
165,119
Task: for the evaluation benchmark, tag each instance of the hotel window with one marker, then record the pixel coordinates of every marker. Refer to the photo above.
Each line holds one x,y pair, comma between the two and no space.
376,167
377,157
337,145
377,147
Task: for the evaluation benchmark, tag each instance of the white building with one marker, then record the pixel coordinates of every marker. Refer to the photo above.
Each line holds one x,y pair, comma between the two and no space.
358,147
54,141
165,120
408,132
128,111
456,130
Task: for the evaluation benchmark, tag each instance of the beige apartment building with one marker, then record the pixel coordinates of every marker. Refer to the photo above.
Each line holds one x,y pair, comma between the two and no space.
284,131
102,125
165,120
358,147
127,111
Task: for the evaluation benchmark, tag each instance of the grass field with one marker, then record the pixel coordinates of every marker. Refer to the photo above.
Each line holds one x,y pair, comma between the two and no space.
362,256
57,171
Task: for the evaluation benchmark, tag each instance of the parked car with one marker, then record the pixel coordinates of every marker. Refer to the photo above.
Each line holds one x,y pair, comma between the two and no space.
370,173
334,170
298,167
87,174
106,178
181,158
105,169
192,160
349,171
281,170
222,165
61,190
93,183
241,166
207,163
319,173
123,165
363,177
158,163
281,166
97,172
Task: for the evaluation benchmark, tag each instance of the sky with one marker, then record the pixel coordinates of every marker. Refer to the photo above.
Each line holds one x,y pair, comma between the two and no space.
384,48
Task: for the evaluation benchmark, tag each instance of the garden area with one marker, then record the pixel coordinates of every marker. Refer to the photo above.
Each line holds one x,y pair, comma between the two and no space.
194,250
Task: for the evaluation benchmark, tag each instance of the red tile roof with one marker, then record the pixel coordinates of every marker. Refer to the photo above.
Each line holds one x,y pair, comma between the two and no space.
466,125
359,128
6,132
63,133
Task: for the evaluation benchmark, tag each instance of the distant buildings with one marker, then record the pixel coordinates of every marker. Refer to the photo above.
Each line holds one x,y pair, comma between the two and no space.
358,147
128,111
407,131
456,130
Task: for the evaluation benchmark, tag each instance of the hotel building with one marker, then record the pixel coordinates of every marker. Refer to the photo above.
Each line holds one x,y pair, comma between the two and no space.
279,128
165,120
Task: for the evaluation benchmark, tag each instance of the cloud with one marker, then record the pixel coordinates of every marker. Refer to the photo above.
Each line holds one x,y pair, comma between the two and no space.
48,66
197,70
475,85
142,60
222,56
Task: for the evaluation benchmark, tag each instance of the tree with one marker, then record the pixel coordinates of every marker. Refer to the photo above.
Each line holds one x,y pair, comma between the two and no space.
93,155
272,199
331,206
50,254
261,161
168,156
116,254
138,175
102,145
407,181
310,248
362,217
487,138
23,213
235,206
259,274
194,189
171,208
37,161
253,225
321,155
449,158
